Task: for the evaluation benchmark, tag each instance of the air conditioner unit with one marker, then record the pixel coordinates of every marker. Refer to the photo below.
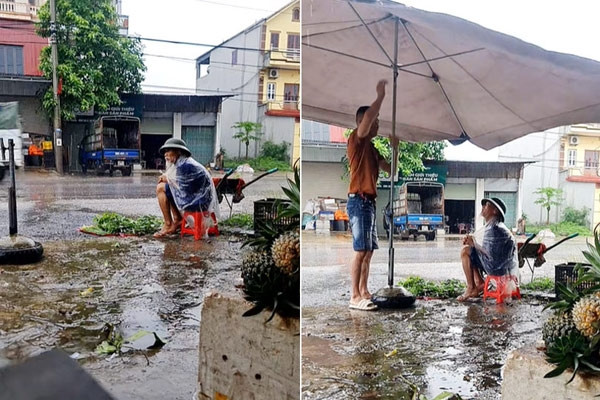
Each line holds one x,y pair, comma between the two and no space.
273,73
574,140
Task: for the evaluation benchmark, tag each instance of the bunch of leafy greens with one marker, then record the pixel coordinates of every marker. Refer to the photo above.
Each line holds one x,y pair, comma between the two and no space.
544,284
111,223
245,221
424,288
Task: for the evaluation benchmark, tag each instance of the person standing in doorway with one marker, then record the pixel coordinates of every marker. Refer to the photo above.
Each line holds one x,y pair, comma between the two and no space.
365,162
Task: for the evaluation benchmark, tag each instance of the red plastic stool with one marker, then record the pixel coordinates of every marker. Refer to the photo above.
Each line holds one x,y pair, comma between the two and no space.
198,229
499,284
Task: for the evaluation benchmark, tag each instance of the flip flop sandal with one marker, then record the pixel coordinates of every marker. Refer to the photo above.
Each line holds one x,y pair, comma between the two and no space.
160,235
363,305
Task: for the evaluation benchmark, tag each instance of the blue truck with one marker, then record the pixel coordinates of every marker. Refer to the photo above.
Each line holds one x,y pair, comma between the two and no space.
418,210
114,145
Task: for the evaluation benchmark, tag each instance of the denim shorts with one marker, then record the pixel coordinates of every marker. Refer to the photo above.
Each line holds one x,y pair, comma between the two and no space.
361,212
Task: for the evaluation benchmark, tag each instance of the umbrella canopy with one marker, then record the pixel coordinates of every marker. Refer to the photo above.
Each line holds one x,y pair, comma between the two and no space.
456,79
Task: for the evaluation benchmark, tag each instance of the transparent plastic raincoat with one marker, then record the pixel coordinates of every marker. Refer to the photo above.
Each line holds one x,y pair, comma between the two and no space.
192,186
495,250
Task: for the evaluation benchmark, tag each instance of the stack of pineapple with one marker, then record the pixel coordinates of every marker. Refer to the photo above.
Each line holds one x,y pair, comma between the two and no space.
572,332
271,265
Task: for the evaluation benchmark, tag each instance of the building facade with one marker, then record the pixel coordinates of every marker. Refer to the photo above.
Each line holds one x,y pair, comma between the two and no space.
20,76
195,119
260,68
579,169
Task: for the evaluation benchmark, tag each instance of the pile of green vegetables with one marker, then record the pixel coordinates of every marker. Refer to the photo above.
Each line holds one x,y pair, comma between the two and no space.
111,223
425,288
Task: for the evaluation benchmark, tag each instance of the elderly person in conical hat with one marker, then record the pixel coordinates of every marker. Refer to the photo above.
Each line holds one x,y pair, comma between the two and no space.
495,255
185,186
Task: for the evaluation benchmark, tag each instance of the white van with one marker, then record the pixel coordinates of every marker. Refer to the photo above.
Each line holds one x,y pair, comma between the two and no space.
10,128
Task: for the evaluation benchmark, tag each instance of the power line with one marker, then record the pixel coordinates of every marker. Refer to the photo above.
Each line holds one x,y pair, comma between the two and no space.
200,90
179,42
197,44
235,6
184,59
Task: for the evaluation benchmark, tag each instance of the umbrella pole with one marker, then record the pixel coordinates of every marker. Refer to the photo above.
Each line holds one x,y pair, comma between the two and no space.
393,297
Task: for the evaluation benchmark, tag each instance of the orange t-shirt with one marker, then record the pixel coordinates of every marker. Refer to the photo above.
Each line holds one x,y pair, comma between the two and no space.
364,165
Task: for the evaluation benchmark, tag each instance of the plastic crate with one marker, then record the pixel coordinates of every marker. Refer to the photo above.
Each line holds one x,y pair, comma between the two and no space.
266,211
565,274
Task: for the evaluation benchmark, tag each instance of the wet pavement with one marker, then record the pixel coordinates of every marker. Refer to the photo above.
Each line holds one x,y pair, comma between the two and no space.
85,282
51,207
434,346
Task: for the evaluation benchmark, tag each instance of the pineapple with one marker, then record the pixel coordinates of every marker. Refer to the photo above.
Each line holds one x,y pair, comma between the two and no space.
262,278
253,263
271,269
286,252
560,324
586,315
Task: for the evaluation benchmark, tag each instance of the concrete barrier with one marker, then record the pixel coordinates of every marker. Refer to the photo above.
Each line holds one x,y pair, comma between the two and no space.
244,357
523,379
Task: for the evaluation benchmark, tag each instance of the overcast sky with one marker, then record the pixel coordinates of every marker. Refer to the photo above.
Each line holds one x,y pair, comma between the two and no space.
198,21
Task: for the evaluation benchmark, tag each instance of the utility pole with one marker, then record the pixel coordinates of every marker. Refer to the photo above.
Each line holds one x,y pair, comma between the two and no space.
57,125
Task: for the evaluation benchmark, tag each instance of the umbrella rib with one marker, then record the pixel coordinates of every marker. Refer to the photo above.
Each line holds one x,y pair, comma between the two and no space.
309,35
363,59
530,123
435,78
475,79
440,58
406,126
346,55
371,33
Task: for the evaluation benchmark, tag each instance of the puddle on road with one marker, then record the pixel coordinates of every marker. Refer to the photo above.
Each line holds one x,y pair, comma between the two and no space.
132,283
437,346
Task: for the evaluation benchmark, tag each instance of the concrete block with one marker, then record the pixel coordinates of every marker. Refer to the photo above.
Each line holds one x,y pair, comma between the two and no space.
244,357
523,379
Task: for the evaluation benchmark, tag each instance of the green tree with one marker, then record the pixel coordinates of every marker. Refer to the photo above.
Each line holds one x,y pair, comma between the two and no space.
246,132
410,155
549,197
95,62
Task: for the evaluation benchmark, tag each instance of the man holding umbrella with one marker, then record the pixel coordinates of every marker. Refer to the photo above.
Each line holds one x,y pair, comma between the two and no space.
365,163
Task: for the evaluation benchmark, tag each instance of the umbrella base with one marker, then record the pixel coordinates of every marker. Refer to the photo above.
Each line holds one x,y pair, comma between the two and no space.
393,297
18,249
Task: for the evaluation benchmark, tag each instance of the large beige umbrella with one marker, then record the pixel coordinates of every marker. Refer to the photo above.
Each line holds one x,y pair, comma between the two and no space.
455,78
452,79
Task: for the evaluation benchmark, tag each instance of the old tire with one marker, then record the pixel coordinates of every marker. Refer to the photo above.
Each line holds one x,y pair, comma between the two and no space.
21,255
126,171
431,236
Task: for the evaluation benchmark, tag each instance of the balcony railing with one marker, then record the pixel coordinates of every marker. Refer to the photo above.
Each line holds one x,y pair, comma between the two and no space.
123,25
17,8
287,105
281,56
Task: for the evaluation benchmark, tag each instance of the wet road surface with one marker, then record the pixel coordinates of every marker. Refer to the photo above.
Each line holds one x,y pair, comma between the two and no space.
85,282
390,354
51,207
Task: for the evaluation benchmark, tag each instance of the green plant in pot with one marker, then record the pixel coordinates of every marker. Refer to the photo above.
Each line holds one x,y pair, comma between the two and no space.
271,266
